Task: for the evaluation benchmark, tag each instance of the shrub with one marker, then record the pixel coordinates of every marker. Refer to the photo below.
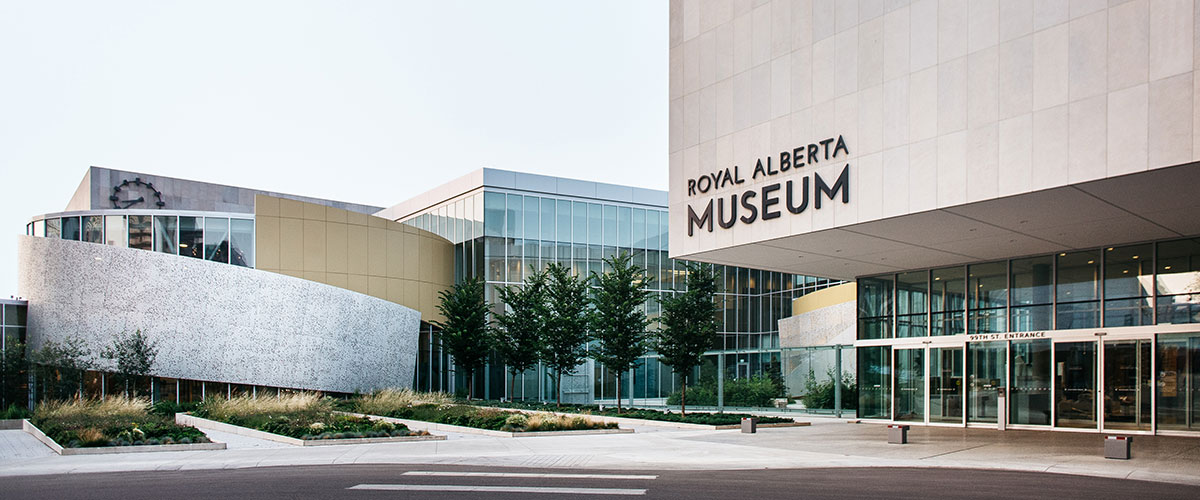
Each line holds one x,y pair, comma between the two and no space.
756,391
389,400
14,412
821,394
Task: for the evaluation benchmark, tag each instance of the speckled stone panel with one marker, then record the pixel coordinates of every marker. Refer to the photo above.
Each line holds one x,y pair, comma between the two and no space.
217,322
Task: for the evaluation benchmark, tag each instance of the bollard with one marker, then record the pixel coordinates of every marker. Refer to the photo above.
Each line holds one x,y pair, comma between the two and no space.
749,425
898,434
1117,447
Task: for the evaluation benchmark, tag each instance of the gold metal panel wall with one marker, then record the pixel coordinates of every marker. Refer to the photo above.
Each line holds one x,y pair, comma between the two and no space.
358,252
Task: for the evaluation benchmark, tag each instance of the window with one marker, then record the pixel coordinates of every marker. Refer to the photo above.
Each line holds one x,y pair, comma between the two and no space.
1128,276
512,218
1032,294
610,225
948,301
70,228
530,212
93,229
141,232
1178,281
563,233
912,297
216,239
875,308
1078,290
54,228
114,231
579,221
165,227
548,220
493,214
639,228
191,237
595,228
241,242
988,288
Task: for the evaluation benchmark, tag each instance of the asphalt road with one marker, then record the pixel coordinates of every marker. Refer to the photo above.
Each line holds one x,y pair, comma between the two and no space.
416,481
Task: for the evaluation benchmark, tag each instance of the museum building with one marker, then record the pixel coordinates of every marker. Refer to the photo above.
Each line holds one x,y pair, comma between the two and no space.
1016,200
247,291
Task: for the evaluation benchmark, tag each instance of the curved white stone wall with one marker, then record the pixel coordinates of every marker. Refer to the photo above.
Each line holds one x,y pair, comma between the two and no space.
217,322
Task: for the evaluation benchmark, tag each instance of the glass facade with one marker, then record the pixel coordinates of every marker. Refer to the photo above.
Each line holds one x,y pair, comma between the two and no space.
1093,339
503,237
219,239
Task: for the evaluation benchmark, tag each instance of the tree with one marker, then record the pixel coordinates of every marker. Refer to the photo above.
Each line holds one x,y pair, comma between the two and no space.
14,374
618,320
688,324
465,333
134,355
62,366
518,333
565,332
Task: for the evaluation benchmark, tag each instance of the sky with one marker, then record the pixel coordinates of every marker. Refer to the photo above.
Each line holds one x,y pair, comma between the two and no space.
362,101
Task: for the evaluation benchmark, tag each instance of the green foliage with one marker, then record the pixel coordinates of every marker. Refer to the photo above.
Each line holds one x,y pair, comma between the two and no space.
465,333
565,332
688,324
301,415
133,355
641,413
518,334
14,375
14,411
496,420
757,391
61,367
114,421
170,408
821,394
618,321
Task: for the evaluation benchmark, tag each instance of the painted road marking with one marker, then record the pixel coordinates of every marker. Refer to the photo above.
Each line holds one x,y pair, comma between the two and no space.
527,475
499,489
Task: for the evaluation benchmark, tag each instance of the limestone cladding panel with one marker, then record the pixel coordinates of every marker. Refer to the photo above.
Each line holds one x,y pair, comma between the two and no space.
829,325
217,322
370,255
964,101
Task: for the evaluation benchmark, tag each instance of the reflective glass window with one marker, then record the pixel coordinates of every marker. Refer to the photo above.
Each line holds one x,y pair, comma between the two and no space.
241,239
639,228
652,242
1077,290
563,216
165,227
493,214
93,229
624,226
1128,285
514,249
191,236
216,239
1178,281
141,235
875,307
912,298
947,300
1032,294
114,231
610,225
987,286
530,215
548,219
513,220
579,223
595,225
1178,381
70,228
54,228
39,228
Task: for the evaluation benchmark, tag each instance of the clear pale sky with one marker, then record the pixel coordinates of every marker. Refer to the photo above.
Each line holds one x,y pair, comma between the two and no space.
362,101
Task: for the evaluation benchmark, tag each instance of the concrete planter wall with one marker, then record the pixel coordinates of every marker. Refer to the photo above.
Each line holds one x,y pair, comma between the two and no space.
32,430
11,424
204,423
653,423
432,426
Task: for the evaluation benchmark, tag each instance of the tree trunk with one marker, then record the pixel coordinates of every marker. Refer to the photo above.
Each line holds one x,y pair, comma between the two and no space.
470,385
512,386
683,399
618,393
558,390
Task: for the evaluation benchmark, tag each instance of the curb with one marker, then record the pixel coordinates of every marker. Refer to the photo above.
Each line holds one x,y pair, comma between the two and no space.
204,423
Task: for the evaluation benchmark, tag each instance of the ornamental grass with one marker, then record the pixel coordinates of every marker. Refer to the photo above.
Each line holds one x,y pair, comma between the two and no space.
114,421
299,415
386,401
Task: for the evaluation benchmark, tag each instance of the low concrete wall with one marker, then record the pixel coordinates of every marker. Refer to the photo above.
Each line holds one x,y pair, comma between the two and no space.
654,423
204,423
432,426
32,430
11,424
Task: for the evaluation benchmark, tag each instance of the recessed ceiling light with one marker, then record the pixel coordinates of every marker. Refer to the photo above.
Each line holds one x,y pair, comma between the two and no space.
1091,262
1135,256
1062,254
1168,267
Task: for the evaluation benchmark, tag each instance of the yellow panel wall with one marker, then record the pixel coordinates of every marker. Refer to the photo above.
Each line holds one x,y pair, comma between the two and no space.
359,252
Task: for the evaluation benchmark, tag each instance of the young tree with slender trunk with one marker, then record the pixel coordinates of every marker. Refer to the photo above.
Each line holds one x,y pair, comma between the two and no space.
519,330
618,318
62,366
688,324
564,334
134,355
465,332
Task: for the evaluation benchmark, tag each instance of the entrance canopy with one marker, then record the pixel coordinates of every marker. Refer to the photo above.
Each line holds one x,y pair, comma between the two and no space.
1157,204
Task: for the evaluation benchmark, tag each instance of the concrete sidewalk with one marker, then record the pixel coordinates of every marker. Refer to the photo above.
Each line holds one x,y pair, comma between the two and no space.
827,443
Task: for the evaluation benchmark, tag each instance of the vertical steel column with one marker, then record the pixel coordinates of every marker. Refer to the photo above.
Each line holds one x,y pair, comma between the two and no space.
720,383
837,380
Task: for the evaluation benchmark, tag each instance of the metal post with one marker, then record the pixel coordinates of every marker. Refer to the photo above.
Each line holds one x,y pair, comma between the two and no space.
721,383
837,381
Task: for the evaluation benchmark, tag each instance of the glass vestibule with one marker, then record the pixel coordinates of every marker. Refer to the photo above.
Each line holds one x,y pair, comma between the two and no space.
1127,384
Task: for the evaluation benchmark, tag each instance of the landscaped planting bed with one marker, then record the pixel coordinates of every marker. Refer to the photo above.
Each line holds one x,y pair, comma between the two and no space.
718,419
302,416
438,408
115,422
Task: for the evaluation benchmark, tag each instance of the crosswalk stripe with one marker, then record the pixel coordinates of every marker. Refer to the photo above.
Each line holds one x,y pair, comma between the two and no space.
499,489
528,475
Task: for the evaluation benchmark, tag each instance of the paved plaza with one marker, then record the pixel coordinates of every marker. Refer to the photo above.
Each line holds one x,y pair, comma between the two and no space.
827,443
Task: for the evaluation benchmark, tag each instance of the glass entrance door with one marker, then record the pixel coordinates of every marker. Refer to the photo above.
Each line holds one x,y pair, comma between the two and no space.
1075,384
1179,382
985,375
909,372
946,384
1127,384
